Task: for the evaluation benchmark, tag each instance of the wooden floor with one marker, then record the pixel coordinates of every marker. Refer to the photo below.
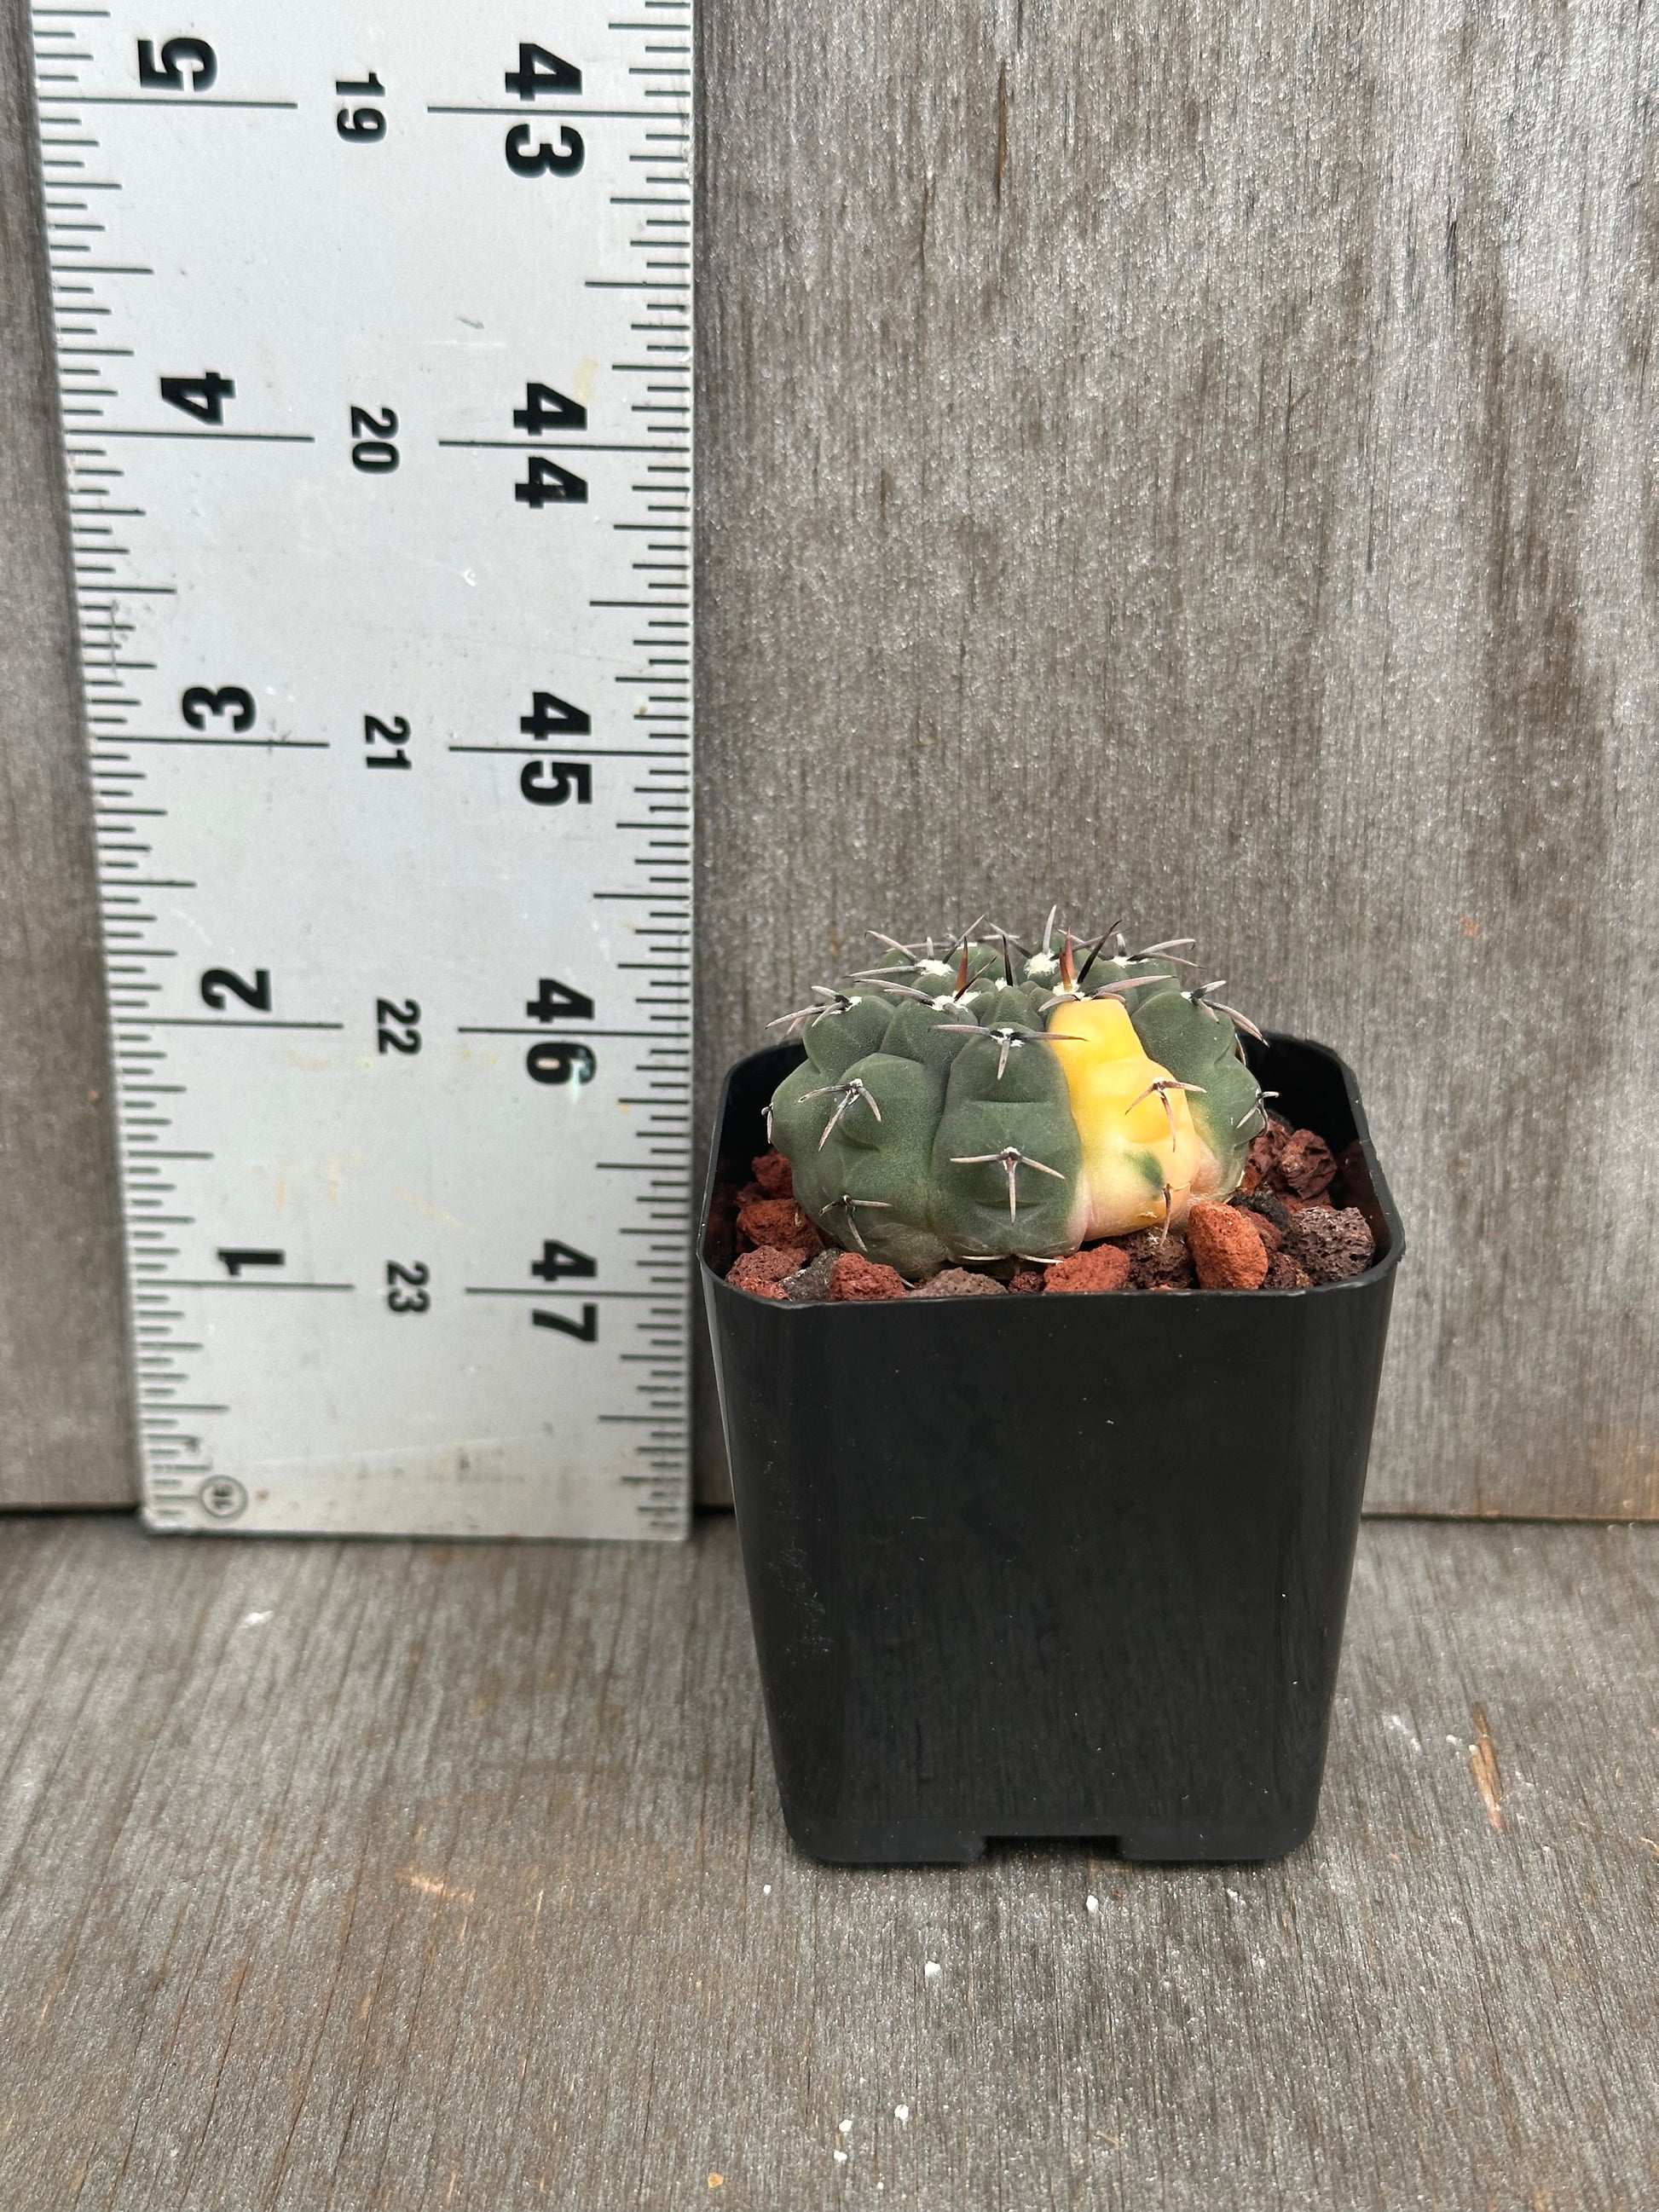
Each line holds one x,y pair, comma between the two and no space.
345,1875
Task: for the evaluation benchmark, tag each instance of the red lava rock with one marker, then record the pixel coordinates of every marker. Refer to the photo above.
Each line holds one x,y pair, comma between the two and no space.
1026,1282
773,1175
1157,1262
1263,1224
1098,1268
1323,1203
1227,1248
779,1221
1330,1246
763,1269
1267,1205
1306,1163
809,1285
1262,1159
853,1279
1284,1274
958,1282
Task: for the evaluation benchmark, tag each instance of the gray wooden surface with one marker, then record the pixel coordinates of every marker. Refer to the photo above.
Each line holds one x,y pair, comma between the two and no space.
65,1431
1196,464
404,1876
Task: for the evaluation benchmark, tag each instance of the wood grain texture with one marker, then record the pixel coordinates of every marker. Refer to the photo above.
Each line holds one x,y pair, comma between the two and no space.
65,1429
1201,464
397,1876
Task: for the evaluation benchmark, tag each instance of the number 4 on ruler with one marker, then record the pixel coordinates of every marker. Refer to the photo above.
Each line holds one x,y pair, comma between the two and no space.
545,409
545,482
540,71
556,1002
202,395
560,1259
549,714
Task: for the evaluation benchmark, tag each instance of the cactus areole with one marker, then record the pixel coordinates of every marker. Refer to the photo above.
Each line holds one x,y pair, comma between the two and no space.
983,1101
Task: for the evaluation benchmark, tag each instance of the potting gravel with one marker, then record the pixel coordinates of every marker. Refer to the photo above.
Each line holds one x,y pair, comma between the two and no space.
1281,1231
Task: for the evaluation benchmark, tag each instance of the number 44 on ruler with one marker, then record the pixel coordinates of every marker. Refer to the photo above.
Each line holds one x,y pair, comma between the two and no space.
374,341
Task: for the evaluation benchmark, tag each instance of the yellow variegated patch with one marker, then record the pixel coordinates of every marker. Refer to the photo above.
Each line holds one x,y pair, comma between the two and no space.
1144,1163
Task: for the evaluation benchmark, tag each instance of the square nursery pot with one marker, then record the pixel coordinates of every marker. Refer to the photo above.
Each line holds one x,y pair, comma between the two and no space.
1052,1566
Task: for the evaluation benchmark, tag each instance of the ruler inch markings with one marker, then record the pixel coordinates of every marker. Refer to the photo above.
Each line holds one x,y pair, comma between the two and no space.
404,1154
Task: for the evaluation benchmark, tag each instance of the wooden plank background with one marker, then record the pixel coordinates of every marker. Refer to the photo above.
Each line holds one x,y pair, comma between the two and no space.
1200,466
452,1876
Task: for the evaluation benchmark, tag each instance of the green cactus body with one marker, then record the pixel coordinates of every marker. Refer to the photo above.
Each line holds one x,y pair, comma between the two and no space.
842,1033
957,1107
1201,1047
858,1130
1005,1158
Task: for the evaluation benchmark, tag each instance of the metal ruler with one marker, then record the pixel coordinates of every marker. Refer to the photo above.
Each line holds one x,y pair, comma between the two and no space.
374,329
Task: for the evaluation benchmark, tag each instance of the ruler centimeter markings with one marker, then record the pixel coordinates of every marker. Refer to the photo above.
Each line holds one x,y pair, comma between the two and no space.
374,347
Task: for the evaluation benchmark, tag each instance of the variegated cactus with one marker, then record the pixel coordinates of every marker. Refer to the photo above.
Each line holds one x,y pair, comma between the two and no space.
983,1100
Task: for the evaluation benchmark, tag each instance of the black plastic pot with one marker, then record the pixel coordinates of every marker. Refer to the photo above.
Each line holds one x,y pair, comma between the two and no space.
1052,1566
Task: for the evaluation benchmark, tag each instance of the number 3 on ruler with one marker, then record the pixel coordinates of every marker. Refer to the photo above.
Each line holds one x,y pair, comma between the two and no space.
199,702
543,161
